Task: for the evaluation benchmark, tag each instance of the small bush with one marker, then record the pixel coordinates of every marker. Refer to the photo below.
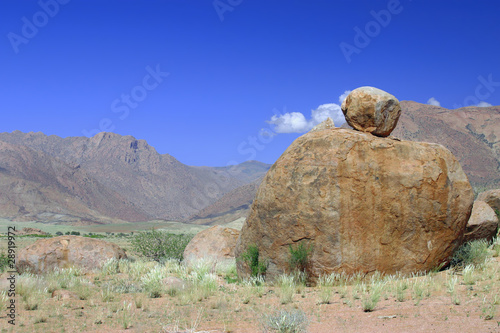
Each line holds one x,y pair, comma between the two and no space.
4,262
288,286
299,257
471,253
75,233
59,233
371,299
4,301
158,245
152,282
251,258
286,322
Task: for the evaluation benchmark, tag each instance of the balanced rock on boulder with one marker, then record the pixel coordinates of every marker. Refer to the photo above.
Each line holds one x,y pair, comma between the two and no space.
215,243
66,251
361,203
368,109
483,223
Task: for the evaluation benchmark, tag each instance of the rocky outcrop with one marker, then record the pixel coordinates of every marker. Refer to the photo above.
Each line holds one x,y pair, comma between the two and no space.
363,203
215,243
371,110
483,223
66,251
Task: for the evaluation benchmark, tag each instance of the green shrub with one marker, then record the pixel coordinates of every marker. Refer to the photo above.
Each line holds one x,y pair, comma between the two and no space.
59,233
470,253
4,262
160,245
299,257
284,321
75,233
251,258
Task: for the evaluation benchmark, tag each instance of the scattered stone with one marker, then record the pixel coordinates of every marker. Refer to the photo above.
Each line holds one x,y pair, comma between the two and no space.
482,224
368,109
215,244
387,317
363,203
64,294
172,282
492,198
66,251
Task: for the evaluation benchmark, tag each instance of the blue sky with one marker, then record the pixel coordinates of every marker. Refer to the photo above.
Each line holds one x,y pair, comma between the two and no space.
218,82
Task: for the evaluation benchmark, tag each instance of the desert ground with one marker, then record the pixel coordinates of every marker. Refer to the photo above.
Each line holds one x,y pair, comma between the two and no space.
132,296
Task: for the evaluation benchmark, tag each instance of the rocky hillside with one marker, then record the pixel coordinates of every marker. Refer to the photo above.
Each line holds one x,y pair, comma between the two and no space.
472,134
230,207
106,176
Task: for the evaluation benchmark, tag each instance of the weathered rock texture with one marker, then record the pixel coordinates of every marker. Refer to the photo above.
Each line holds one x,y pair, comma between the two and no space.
364,203
372,110
492,198
66,251
215,243
483,223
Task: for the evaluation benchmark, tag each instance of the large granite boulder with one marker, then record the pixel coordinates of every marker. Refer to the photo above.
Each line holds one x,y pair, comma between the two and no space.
482,224
492,198
66,251
371,110
216,243
361,202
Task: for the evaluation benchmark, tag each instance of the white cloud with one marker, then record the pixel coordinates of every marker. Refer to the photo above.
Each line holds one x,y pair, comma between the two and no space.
433,101
324,111
343,96
296,122
484,104
290,122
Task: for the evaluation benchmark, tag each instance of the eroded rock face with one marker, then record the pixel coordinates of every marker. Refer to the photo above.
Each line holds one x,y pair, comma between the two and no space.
368,109
483,223
66,251
215,243
362,202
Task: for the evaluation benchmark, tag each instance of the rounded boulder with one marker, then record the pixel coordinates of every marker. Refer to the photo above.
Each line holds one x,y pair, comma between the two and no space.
67,251
360,203
369,109
216,243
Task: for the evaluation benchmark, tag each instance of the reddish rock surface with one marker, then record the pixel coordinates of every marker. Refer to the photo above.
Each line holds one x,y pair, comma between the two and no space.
372,110
483,223
216,243
364,203
492,198
66,251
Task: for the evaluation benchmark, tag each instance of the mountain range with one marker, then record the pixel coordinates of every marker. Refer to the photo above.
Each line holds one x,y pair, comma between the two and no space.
112,178
106,178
